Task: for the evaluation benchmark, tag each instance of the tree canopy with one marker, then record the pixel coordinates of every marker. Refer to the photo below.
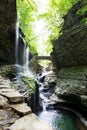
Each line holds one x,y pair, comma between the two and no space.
41,22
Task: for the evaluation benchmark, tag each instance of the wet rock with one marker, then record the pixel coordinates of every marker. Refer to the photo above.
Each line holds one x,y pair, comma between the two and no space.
84,99
30,122
51,80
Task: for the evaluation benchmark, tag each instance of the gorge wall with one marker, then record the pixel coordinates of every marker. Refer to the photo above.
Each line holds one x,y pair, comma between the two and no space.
7,31
70,58
70,49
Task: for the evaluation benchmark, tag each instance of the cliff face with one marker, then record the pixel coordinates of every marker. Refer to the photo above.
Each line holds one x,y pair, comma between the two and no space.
70,57
7,31
70,49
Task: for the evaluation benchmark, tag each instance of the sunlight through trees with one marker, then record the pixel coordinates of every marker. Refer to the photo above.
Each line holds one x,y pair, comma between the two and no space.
41,22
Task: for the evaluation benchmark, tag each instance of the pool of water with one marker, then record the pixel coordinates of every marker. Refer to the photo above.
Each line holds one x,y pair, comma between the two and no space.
59,119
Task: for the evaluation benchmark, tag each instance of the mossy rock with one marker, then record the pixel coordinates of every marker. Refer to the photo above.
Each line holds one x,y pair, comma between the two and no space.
7,71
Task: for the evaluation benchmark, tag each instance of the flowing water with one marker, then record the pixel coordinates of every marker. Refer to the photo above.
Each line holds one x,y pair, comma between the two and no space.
23,66
58,119
16,41
26,60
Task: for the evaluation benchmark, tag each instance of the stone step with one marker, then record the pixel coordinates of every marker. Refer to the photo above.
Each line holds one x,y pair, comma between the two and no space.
13,96
30,122
7,90
3,101
4,86
21,109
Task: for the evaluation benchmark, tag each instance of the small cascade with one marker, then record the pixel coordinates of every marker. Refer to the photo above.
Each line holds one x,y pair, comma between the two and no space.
16,42
22,65
26,60
44,93
59,119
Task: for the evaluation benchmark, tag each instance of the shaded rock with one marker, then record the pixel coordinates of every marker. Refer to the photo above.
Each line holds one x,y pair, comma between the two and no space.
72,86
51,80
71,97
30,122
78,73
70,49
84,99
7,71
7,31
74,92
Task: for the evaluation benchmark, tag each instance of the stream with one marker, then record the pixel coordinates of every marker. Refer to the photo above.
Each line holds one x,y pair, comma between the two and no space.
59,119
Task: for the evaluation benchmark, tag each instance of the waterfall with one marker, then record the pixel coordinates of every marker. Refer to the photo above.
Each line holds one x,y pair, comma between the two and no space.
21,54
16,42
26,60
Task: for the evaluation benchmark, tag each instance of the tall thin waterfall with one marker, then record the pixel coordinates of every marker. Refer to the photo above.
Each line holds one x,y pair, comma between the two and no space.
16,41
22,66
26,60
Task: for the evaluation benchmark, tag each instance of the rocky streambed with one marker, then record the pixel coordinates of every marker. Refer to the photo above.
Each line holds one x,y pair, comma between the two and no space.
55,102
14,110
67,93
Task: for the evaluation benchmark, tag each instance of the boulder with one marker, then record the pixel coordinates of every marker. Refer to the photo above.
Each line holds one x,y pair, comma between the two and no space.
13,96
30,122
21,109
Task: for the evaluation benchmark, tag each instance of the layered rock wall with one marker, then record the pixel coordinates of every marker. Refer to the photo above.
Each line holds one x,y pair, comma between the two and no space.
70,49
70,58
7,31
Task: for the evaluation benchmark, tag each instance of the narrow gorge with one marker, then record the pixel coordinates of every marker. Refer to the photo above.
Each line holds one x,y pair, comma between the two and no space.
43,65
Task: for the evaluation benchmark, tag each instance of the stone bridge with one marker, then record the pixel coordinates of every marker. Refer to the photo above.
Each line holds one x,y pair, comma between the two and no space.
43,58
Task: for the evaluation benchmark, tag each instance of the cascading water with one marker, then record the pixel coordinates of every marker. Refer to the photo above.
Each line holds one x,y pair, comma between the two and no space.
16,42
58,119
26,60
24,67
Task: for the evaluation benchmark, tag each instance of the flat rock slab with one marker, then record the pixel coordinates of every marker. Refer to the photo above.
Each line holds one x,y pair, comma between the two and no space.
7,117
4,86
13,96
30,122
7,90
4,81
3,101
21,109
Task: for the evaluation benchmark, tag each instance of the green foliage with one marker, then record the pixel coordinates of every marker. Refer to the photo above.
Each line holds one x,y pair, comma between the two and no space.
26,9
82,12
62,6
28,13
30,82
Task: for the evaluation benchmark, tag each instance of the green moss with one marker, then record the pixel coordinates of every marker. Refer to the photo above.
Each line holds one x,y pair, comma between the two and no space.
82,12
31,82
7,71
79,73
